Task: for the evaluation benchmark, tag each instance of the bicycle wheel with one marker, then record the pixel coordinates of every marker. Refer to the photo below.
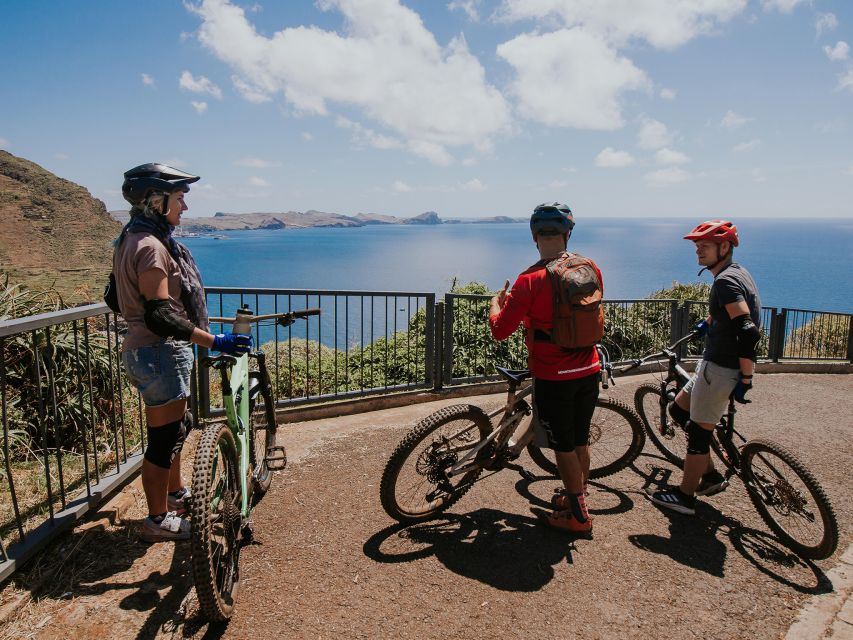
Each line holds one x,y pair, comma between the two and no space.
616,438
666,434
789,499
414,486
215,513
262,430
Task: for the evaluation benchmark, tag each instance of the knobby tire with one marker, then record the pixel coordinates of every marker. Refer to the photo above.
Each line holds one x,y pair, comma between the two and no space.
262,434
424,450
606,458
672,443
757,462
214,539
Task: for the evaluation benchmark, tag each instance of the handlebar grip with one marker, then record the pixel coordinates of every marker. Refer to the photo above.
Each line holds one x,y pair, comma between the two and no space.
303,313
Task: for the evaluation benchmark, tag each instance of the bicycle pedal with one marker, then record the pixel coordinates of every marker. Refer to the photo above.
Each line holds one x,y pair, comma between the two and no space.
276,458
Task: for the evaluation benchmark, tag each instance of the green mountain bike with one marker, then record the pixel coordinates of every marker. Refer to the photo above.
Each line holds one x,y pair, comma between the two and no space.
234,464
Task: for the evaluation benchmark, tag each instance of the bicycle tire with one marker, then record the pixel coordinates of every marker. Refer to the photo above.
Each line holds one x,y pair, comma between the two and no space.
609,433
773,499
471,424
261,421
216,520
667,436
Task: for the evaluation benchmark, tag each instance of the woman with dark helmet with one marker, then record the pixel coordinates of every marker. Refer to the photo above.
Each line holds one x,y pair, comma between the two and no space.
161,296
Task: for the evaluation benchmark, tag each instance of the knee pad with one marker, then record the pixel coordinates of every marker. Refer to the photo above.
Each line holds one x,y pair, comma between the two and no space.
165,442
698,439
681,416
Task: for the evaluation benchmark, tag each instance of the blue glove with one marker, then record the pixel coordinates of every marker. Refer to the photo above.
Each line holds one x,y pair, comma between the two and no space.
702,328
740,391
235,344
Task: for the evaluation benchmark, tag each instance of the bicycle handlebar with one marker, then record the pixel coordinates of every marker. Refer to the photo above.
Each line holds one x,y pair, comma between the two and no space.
288,315
665,352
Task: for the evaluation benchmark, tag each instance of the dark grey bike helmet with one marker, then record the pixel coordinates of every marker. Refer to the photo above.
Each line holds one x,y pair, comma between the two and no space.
551,218
140,182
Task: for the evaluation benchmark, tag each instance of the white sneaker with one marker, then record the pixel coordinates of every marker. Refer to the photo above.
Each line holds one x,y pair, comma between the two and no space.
171,527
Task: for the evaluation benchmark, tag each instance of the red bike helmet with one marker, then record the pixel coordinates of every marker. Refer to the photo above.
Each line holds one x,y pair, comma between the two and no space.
716,231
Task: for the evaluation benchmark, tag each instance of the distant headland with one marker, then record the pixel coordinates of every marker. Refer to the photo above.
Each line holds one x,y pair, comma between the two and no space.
302,220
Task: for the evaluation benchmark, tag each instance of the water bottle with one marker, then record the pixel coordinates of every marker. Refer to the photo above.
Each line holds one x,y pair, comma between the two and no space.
242,322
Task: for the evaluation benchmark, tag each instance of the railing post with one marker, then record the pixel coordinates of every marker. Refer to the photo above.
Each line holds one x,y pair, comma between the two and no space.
781,329
850,339
447,357
438,348
674,323
430,363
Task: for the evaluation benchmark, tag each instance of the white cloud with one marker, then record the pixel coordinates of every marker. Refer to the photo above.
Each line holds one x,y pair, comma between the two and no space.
667,94
256,163
199,85
744,147
845,81
825,22
5,143
653,134
386,66
848,171
664,24
307,136
470,161
570,169
759,175
838,52
249,92
665,177
785,6
558,184
670,156
473,185
610,158
256,181
733,120
470,7
400,186
570,78
60,156
147,80
200,107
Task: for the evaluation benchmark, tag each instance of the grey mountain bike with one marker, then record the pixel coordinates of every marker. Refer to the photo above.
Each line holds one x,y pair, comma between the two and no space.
446,452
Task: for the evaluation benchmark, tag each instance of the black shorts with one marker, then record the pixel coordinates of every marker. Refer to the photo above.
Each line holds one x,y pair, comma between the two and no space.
563,410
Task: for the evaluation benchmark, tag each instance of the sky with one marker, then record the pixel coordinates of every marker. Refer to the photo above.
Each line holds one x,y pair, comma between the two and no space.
637,108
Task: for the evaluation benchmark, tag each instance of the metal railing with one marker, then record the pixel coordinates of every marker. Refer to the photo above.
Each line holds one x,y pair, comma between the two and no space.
72,426
364,342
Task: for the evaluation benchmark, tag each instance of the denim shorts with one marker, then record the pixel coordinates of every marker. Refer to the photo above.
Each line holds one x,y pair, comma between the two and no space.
709,389
161,372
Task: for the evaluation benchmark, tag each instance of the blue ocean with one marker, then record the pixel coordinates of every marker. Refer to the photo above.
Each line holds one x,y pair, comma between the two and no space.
796,265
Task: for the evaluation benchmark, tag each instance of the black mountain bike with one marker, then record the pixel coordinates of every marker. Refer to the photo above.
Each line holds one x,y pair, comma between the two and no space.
445,453
784,492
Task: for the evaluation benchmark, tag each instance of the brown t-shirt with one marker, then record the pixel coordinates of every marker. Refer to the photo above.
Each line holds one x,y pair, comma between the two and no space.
138,253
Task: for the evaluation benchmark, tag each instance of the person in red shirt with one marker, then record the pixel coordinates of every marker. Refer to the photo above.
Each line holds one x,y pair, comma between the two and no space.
565,382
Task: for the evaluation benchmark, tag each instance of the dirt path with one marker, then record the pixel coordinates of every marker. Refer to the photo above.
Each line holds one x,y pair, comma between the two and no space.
328,562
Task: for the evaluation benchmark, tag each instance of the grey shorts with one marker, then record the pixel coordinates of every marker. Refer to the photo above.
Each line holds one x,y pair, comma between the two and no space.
161,372
709,389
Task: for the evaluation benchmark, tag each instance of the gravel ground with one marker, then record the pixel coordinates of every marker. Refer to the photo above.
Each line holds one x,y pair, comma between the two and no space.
327,560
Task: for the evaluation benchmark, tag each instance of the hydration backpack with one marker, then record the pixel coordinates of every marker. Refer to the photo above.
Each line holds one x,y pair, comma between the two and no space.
578,320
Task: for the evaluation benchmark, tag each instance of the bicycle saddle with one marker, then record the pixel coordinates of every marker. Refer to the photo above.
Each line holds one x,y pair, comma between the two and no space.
514,375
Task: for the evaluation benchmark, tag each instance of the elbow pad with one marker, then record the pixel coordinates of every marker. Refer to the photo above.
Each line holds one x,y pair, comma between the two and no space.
748,336
162,320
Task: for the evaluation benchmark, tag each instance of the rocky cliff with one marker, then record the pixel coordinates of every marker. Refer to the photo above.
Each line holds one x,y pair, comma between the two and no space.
52,232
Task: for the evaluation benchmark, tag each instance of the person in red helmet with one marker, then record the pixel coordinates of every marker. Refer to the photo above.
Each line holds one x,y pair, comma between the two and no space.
731,331
565,370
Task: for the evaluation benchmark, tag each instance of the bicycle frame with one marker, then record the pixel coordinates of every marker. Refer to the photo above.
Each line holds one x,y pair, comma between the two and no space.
235,398
514,412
